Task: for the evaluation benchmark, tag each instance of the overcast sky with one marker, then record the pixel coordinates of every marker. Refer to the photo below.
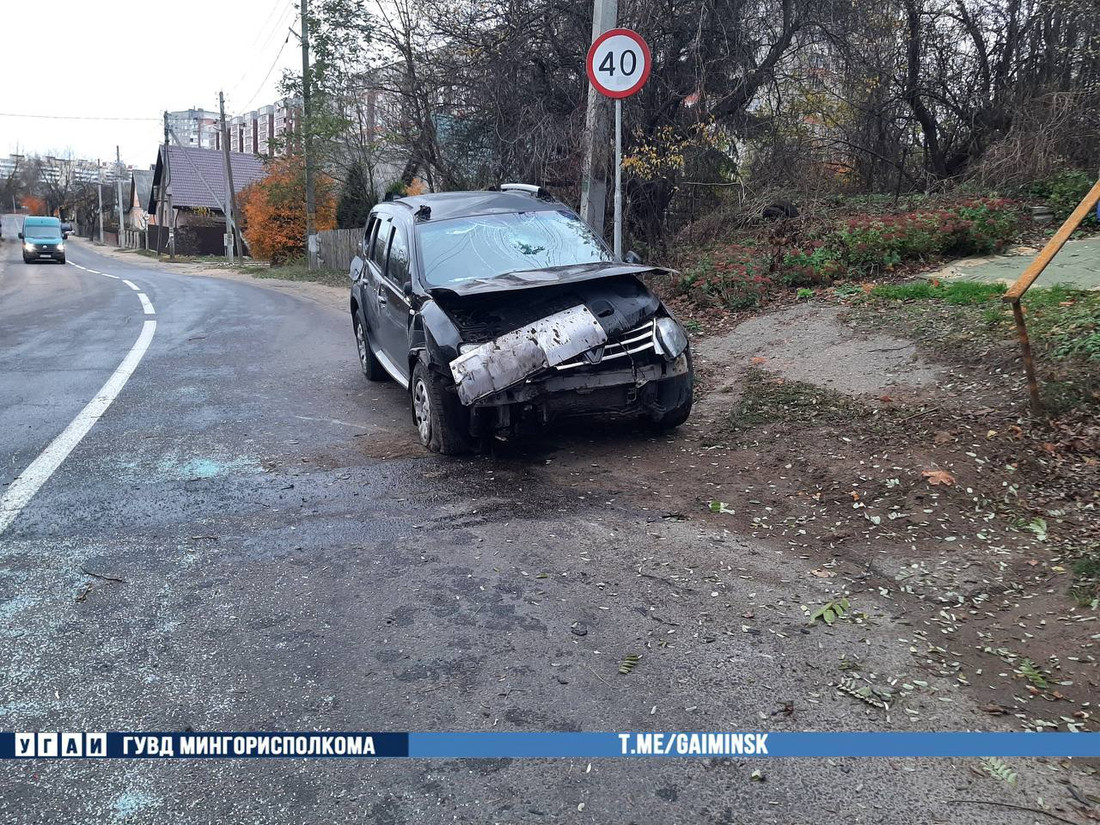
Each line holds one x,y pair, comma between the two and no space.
101,59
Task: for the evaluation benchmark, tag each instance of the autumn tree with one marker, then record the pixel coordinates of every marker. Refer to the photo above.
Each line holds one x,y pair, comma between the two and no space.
274,209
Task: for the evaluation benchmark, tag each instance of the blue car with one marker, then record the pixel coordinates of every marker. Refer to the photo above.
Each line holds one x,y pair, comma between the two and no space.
43,240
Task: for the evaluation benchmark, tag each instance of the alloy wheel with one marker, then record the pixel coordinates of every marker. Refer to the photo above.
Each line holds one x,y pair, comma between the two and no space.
361,343
422,411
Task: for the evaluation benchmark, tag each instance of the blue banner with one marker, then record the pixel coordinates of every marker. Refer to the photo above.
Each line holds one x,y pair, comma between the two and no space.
540,745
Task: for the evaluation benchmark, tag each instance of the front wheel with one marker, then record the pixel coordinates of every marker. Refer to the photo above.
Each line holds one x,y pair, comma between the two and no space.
62,260
368,362
677,394
441,421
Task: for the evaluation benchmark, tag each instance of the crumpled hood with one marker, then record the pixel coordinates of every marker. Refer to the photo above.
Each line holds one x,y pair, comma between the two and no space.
532,278
618,302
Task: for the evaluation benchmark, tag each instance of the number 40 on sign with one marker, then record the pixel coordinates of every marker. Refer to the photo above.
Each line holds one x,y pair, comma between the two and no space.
618,65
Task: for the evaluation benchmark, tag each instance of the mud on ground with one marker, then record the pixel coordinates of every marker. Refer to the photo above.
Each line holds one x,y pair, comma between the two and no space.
901,468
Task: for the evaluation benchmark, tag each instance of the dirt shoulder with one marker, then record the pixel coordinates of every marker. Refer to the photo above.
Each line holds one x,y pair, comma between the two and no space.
900,471
333,297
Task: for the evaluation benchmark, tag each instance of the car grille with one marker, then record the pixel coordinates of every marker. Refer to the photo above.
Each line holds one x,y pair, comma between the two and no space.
629,343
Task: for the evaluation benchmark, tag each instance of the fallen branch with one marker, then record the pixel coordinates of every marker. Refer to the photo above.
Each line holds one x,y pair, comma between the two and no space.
598,676
102,576
1014,807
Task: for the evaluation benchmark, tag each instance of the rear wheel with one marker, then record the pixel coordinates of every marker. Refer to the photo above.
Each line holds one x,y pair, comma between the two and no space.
441,421
370,365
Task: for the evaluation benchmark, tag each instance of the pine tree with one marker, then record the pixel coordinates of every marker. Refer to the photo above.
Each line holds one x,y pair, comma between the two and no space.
356,200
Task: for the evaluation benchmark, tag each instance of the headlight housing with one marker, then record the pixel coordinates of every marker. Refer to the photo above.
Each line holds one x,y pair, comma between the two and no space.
27,245
669,338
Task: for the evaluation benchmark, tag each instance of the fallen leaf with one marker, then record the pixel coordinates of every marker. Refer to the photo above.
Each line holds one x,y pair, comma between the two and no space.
821,573
759,359
939,477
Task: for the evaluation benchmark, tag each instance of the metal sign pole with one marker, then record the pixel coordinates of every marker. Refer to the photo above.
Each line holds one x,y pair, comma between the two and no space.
618,178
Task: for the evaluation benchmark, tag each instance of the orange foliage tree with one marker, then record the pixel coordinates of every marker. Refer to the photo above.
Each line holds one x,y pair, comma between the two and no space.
274,209
33,204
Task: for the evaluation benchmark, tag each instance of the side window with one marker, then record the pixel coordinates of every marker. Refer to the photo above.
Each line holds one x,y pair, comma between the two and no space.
381,240
397,267
368,236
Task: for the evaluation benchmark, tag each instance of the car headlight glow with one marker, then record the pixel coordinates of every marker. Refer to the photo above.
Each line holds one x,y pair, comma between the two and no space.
27,245
670,338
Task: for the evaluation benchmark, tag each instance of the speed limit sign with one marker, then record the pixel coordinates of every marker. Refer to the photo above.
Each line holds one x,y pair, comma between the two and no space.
618,63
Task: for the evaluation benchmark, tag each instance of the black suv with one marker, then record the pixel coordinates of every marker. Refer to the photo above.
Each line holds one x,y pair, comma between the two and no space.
501,309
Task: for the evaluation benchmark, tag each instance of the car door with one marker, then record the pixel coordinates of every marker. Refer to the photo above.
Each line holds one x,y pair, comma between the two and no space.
360,277
371,279
393,306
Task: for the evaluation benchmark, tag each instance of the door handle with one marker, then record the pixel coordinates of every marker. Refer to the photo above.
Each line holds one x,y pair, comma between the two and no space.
381,295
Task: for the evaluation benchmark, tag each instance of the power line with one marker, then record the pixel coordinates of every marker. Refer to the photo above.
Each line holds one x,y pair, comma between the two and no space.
281,22
75,117
263,82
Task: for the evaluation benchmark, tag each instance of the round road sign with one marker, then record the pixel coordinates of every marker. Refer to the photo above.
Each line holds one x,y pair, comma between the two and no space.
618,63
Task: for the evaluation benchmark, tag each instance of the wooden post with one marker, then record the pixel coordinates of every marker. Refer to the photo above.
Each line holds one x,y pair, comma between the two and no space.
1031,274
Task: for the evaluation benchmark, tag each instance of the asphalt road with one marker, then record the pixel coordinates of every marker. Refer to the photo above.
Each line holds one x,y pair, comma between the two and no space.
281,556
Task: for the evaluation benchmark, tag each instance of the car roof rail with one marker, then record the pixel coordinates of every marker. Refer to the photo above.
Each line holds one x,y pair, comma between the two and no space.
529,188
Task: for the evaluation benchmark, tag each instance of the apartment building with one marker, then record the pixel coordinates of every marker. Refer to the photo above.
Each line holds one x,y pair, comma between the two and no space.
197,128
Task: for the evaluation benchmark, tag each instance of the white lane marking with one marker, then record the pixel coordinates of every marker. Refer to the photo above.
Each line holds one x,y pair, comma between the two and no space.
94,271
132,285
38,472
146,304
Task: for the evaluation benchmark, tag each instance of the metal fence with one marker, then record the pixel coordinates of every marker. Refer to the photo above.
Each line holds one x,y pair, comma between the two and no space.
337,247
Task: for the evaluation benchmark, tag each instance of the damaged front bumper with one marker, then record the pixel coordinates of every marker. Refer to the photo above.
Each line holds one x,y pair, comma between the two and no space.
511,358
642,391
565,366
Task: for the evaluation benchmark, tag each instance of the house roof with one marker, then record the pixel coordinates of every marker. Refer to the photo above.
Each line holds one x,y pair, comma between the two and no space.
141,184
197,176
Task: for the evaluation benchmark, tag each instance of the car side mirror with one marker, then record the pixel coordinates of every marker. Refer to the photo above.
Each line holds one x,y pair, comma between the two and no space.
20,236
410,296
632,257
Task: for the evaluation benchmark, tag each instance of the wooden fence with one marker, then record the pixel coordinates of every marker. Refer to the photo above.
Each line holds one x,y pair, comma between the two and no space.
337,247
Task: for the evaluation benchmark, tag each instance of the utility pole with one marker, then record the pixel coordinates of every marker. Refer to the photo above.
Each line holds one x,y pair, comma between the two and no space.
596,128
307,144
165,200
118,194
230,192
99,190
